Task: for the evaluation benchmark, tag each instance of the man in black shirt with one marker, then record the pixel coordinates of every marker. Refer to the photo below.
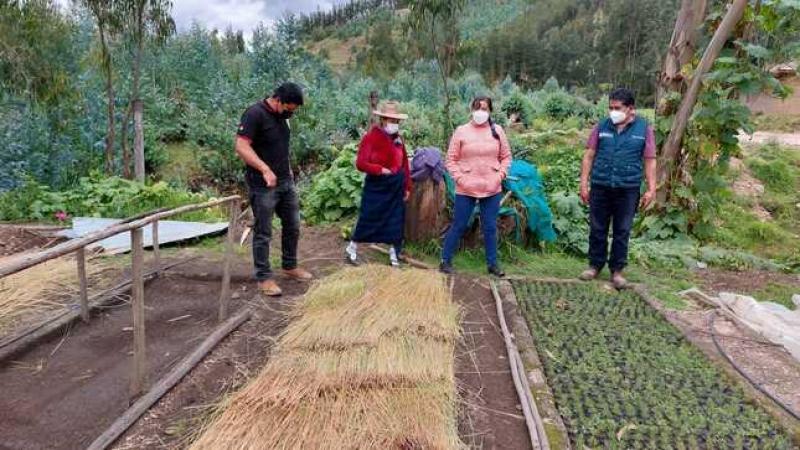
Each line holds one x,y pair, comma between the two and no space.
262,142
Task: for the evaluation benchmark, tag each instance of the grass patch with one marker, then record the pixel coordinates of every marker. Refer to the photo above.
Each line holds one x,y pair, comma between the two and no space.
182,164
778,123
780,293
623,377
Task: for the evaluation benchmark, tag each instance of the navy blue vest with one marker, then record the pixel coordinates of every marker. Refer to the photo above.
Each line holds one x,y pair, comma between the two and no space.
618,160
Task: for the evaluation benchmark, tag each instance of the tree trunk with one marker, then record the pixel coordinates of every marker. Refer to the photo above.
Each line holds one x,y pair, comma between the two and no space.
111,126
671,151
681,51
126,149
138,125
425,211
373,105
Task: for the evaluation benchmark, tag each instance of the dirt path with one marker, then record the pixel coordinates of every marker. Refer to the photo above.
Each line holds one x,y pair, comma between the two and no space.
492,417
765,137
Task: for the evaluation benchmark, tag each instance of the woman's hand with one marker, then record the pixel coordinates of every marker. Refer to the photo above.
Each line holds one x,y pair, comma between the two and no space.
385,171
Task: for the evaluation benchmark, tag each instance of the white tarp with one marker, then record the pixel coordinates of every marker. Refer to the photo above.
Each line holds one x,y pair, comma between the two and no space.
168,231
773,321
777,323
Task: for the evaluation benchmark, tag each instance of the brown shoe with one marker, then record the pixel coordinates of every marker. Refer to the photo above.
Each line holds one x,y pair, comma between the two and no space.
269,288
298,274
589,274
619,281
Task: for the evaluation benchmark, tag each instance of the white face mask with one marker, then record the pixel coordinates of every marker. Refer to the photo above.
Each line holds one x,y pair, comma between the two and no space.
617,117
480,116
391,128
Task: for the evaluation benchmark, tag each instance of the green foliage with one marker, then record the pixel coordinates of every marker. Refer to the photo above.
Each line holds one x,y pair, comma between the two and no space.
624,377
335,193
570,220
519,106
97,196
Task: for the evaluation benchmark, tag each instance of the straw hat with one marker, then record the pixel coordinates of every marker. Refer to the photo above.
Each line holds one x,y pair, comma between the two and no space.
391,110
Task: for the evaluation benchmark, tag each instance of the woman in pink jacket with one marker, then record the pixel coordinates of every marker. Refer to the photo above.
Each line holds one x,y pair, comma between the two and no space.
478,160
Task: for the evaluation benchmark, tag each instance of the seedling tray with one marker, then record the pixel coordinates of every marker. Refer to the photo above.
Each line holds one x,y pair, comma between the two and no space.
625,378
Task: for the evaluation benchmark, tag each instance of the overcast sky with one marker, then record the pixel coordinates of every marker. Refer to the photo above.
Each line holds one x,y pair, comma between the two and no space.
240,14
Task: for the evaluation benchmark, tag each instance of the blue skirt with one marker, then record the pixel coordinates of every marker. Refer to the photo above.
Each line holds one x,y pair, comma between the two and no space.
381,218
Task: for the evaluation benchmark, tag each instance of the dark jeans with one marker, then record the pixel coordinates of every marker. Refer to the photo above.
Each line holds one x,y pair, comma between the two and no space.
616,206
464,206
283,201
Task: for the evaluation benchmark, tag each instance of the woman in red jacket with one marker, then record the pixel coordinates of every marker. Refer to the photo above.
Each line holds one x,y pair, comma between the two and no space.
382,156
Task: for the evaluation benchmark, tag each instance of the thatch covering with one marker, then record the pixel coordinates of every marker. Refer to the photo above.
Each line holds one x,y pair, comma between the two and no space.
367,363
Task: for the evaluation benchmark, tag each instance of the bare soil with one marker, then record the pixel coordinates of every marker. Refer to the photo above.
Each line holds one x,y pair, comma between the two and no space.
715,281
491,414
15,239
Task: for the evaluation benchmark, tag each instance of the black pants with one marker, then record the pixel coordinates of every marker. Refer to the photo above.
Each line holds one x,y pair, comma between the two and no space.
283,201
615,206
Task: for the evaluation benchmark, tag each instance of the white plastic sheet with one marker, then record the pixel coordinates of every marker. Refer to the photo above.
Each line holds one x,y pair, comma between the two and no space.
168,231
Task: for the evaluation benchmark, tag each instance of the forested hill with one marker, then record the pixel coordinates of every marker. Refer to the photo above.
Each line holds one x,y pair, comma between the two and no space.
585,44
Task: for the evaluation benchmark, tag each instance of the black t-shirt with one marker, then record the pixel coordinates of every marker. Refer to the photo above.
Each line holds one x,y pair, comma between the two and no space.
268,134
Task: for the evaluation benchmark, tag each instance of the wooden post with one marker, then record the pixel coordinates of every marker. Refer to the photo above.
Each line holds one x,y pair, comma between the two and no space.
156,250
81,256
225,293
139,374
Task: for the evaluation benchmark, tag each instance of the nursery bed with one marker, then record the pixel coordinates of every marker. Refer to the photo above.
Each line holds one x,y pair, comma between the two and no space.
624,377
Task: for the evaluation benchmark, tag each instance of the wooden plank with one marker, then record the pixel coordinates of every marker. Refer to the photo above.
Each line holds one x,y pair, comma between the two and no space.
29,260
139,374
165,384
84,283
156,250
225,293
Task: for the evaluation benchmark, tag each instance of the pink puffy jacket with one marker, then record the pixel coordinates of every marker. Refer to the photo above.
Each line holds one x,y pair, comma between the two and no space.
477,161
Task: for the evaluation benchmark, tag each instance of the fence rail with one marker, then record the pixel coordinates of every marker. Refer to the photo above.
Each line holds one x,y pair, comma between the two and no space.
134,226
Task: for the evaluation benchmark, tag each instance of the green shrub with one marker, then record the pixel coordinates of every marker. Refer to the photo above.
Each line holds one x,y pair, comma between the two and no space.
98,196
570,220
335,193
520,105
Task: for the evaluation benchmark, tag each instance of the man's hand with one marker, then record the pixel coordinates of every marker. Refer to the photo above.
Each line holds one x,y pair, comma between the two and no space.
647,199
585,193
385,171
270,178
406,196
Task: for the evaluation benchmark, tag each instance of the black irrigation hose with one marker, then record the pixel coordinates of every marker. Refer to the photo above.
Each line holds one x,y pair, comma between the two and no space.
753,382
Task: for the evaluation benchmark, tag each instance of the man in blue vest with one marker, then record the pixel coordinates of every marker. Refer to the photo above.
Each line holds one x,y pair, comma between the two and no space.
619,150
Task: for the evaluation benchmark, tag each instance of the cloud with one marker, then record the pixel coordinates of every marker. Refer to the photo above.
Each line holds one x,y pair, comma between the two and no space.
240,14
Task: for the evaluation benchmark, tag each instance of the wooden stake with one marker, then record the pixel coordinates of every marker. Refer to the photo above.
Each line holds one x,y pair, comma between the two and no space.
81,256
156,250
139,374
225,293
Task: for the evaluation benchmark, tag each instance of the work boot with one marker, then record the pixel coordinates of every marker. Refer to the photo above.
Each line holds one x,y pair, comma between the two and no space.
269,288
497,271
619,281
298,274
589,274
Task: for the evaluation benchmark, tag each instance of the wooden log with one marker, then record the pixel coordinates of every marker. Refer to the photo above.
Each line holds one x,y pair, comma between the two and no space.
156,249
29,260
139,373
425,211
165,384
84,283
225,292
